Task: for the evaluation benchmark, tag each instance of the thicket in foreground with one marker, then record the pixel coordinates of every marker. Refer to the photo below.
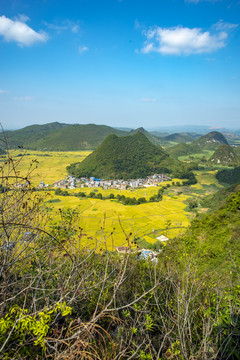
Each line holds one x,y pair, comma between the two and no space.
59,300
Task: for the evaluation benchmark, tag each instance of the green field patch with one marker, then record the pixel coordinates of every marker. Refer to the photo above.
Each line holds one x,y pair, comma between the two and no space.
206,154
51,201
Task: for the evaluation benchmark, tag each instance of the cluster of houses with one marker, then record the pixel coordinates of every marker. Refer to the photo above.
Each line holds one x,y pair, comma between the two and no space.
143,253
71,182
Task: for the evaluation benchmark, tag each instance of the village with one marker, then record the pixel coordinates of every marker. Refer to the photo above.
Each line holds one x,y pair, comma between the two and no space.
70,182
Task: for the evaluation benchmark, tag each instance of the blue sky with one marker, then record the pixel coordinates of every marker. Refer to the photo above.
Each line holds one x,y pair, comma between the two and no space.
126,63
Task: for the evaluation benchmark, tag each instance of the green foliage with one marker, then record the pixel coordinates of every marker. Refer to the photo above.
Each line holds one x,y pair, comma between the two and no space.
192,203
18,325
62,300
214,201
61,192
230,176
81,194
213,239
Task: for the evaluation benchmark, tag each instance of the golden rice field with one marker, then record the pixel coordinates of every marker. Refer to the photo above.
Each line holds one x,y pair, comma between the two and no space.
107,221
50,165
100,218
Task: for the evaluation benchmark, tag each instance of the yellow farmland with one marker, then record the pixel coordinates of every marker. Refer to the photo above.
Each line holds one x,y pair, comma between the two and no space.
46,166
107,221
116,223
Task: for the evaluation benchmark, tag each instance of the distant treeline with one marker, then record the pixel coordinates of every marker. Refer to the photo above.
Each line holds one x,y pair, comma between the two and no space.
125,200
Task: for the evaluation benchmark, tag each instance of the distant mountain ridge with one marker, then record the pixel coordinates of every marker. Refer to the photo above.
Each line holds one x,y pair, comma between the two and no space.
56,136
181,137
210,141
70,137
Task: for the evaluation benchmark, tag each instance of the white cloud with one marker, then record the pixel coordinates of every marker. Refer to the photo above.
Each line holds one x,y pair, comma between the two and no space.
82,49
18,31
185,41
4,91
75,29
224,26
64,26
150,100
23,98
22,18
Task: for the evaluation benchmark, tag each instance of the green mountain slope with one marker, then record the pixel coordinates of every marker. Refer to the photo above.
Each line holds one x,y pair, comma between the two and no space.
125,158
210,141
224,155
212,240
78,137
183,149
29,135
64,137
154,140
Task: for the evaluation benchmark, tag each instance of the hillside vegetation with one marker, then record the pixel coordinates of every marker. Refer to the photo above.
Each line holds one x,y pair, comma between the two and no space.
181,137
183,149
61,299
225,155
229,176
212,240
152,138
210,141
64,137
128,157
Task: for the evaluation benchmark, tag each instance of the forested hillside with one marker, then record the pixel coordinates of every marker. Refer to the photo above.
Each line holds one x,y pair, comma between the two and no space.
212,240
65,137
229,176
127,157
210,141
225,155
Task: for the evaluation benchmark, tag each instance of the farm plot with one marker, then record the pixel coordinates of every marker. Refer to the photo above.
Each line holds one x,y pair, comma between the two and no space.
114,224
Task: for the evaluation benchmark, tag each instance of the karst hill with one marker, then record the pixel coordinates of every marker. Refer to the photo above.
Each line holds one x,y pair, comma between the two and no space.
126,157
211,141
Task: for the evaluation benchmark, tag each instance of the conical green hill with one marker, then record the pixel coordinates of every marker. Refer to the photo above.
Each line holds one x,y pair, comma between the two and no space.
224,155
211,141
126,157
